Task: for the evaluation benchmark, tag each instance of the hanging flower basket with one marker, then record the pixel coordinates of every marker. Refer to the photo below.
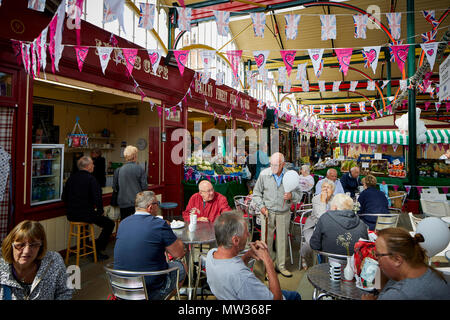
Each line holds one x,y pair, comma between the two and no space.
77,140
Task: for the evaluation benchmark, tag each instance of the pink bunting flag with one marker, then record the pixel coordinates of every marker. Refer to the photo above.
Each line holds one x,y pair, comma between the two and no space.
407,188
344,56
51,47
437,105
81,53
130,56
399,54
419,189
234,56
427,105
182,57
395,187
445,189
447,106
371,57
288,57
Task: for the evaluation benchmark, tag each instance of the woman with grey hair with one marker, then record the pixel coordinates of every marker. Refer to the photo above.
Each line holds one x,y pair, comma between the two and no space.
306,180
320,204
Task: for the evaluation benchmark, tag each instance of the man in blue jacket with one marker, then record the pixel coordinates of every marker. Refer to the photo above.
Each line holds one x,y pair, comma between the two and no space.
350,181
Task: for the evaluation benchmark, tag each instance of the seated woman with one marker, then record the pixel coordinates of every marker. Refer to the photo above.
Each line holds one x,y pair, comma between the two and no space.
320,204
372,200
403,261
338,229
27,270
306,180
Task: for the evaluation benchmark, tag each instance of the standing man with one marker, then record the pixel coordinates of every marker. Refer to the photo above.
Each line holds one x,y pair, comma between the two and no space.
130,179
82,196
350,181
141,243
275,204
331,175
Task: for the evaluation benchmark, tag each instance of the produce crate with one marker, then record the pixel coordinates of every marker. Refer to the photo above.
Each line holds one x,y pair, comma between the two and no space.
382,166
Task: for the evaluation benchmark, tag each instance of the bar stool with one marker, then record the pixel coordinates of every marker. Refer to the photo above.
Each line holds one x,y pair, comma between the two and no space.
168,206
81,233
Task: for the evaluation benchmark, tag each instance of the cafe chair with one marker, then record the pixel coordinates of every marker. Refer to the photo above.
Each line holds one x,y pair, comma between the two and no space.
414,221
397,202
437,208
130,285
242,203
298,221
81,231
384,220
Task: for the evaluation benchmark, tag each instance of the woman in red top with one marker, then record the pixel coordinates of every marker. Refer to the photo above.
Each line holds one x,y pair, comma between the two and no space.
206,203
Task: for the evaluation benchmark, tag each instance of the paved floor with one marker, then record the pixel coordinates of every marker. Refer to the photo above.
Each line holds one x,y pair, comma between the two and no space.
94,285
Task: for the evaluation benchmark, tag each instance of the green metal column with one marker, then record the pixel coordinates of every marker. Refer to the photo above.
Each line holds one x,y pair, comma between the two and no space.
388,73
412,152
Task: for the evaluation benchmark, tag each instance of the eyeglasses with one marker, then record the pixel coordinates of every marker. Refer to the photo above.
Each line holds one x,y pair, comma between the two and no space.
21,245
379,255
153,203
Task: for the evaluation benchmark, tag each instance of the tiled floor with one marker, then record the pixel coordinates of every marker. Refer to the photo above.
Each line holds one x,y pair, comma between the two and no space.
94,285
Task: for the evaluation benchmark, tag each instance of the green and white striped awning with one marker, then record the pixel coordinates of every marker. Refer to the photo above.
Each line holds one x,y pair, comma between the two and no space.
389,136
372,137
438,136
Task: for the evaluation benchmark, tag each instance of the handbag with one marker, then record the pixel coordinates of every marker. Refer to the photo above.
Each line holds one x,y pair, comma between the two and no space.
115,193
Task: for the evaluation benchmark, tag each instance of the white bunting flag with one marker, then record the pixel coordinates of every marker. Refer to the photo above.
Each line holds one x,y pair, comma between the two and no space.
316,59
321,86
104,54
403,84
370,85
155,58
282,74
219,78
113,10
371,57
287,85
430,49
353,85
336,85
261,58
61,12
301,71
305,86
385,82
207,58
43,48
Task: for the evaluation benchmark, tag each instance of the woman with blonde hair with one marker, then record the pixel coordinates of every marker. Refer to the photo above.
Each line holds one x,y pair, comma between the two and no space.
27,270
403,261
372,200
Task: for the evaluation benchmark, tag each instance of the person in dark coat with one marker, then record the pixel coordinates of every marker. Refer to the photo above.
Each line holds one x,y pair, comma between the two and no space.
350,181
82,196
372,200
338,229
99,167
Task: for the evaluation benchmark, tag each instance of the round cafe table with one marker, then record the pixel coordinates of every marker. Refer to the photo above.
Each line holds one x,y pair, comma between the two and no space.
204,233
319,277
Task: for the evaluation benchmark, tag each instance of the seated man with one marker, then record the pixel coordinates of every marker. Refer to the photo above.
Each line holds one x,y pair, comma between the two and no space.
82,196
227,273
350,181
141,243
339,229
206,203
331,175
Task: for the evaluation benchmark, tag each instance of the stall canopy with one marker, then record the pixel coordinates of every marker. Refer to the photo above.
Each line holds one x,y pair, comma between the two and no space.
389,136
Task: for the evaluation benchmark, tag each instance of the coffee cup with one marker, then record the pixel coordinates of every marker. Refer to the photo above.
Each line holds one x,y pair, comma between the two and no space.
193,218
192,227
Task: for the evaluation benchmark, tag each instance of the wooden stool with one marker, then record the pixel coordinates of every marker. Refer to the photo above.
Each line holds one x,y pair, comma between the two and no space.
81,234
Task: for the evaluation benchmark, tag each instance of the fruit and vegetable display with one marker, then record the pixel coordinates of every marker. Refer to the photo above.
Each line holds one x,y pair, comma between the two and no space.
347,165
200,166
379,168
397,170
433,168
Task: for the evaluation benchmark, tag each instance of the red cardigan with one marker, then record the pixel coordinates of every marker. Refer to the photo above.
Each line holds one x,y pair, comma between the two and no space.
212,208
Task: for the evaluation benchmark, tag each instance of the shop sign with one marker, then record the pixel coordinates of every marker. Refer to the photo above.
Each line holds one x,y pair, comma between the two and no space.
162,71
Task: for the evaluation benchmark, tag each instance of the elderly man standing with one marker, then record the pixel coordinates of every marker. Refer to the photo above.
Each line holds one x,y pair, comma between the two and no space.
275,203
206,203
331,175
82,196
141,243
350,181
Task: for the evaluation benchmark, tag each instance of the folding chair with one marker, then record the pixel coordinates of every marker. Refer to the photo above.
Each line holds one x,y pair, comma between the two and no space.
384,220
299,220
242,203
394,200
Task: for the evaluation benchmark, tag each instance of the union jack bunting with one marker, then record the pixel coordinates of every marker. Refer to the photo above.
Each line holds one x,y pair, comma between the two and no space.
322,109
184,18
222,21
370,85
38,5
360,22
321,86
429,36
348,107
287,85
394,21
113,10
334,108
301,71
429,15
328,26
305,86
292,21
146,15
353,85
362,106
259,23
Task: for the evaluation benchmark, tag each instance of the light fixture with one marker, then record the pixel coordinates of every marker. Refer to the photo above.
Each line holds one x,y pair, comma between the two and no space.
63,84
